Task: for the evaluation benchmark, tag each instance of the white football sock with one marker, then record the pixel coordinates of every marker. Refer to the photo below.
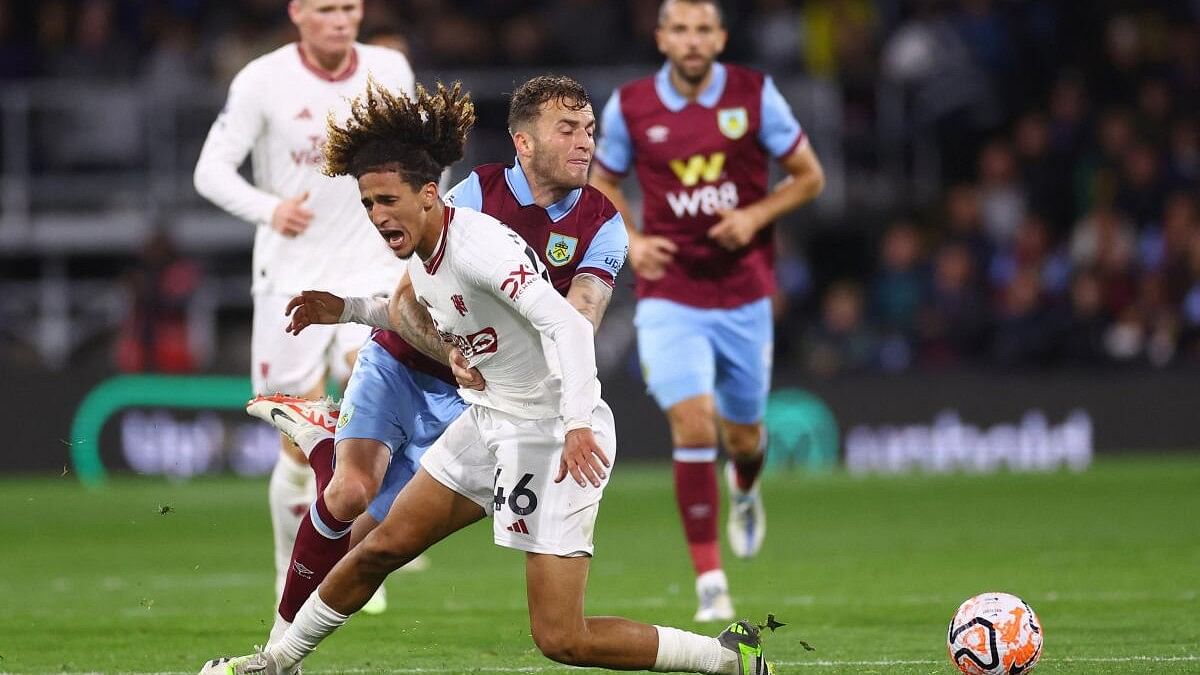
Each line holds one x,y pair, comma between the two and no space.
314,622
277,630
308,436
291,491
682,652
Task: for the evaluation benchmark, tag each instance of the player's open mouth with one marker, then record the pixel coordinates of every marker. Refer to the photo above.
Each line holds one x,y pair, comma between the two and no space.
394,238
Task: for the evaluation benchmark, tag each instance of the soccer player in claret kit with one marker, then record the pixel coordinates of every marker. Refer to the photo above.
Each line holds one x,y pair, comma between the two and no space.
401,395
699,134
534,447
310,229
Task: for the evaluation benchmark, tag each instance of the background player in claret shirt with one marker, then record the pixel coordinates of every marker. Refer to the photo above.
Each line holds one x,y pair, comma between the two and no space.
311,231
539,421
700,134
399,399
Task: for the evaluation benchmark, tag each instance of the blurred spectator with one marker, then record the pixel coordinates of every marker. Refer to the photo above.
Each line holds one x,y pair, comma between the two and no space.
964,223
1025,327
1142,188
1084,332
841,341
1044,176
154,335
952,321
1104,241
1002,197
896,292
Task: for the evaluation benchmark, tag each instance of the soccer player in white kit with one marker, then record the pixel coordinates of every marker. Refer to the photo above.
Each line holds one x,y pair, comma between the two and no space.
539,420
311,231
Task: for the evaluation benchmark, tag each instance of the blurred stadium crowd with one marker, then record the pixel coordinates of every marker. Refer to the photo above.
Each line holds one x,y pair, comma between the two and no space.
1062,226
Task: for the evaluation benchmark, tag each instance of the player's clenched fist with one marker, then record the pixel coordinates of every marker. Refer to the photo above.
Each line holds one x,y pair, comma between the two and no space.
291,217
313,307
650,255
582,458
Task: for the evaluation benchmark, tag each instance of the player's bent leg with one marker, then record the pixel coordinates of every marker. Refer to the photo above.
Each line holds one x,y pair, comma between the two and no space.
555,587
424,513
323,536
747,521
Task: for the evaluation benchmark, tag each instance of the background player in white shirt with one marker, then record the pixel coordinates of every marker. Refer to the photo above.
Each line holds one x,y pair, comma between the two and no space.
311,232
539,419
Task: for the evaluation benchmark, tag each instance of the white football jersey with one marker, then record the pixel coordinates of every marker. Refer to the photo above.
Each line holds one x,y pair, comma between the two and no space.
485,289
276,112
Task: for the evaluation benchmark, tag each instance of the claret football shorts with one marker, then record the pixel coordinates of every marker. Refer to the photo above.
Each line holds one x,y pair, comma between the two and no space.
507,465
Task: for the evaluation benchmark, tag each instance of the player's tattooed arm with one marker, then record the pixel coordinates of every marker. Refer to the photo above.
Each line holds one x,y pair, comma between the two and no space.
590,296
413,323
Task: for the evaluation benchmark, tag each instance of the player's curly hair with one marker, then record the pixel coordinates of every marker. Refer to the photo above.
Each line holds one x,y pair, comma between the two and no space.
416,137
526,102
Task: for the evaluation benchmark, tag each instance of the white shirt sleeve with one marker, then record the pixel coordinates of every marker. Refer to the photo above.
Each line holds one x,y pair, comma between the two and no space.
230,139
515,281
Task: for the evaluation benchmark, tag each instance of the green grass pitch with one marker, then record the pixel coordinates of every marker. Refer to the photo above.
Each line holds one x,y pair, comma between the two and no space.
867,570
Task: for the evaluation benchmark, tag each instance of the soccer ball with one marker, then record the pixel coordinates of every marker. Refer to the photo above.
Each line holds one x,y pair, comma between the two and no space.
994,634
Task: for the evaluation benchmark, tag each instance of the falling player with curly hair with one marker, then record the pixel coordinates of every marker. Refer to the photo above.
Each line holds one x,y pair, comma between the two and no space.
534,447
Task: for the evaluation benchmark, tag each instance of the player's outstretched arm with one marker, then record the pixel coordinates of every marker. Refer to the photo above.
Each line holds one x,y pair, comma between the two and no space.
312,307
412,321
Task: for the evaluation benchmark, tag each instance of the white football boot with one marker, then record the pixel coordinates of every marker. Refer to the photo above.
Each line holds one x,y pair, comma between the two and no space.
712,590
259,663
305,421
747,524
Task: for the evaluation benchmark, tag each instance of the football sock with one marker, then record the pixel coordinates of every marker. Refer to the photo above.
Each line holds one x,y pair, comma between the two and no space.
321,459
289,495
308,436
314,622
683,652
321,541
747,470
696,494
278,629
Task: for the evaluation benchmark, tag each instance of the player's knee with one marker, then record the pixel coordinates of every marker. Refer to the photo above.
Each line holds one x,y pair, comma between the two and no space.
743,441
381,555
561,644
347,497
693,427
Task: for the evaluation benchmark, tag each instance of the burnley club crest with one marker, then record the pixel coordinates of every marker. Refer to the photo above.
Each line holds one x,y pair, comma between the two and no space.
560,249
733,122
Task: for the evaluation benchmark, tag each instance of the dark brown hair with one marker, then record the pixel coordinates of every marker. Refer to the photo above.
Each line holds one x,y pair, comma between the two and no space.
662,9
415,137
526,102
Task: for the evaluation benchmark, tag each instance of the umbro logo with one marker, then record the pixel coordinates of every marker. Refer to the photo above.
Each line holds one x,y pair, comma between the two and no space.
301,569
657,134
304,114
518,527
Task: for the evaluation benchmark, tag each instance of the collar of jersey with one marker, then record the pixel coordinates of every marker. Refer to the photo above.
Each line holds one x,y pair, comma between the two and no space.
674,101
439,249
345,74
518,184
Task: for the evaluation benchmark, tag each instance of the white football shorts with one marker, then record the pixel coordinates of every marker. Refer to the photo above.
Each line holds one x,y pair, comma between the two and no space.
507,465
293,364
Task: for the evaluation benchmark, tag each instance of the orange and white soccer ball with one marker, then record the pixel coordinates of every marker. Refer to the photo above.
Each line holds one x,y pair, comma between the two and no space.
995,634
